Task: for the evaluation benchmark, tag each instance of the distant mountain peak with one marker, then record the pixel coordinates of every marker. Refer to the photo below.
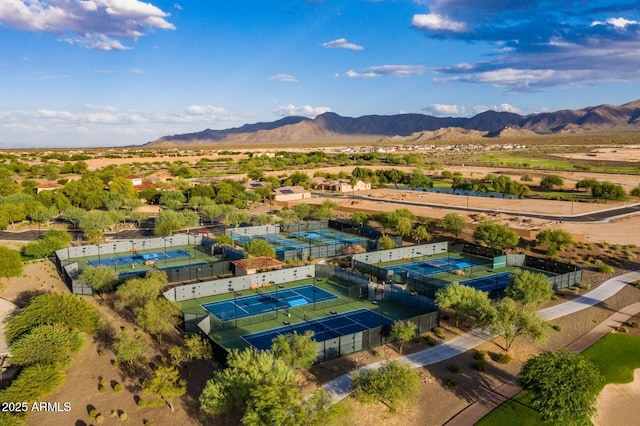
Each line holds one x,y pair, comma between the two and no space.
331,127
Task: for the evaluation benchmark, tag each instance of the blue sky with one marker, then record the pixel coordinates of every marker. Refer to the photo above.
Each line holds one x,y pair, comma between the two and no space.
119,72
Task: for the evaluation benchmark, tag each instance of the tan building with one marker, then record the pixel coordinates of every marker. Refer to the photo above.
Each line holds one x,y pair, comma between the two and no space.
47,186
254,265
339,185
291,193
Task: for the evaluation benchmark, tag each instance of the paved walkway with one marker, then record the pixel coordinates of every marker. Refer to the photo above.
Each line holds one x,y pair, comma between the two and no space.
340,387
495,397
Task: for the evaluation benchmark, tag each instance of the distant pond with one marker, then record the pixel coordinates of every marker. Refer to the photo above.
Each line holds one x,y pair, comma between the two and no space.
460,192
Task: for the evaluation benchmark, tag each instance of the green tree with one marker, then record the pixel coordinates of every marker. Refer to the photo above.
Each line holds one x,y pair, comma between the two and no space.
323,211
257,248
403,332
464,301
33,383
421,233
13,213
608,191
54,308
507,320
360,218
46,344
193,348
158,316
496,236
244,385
10,263
551,181
167,222
394,384
635,192
236,218
529,288
172,199
137,292
554,239
564,386
586,184
297,350
123,186
224,240
262,219
74,215
130,348
385,243
454,223
418,179
100,279
164,385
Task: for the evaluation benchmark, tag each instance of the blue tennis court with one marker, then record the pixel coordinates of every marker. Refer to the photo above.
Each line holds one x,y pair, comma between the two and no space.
432,266
324,328
489,283
135,258
268,300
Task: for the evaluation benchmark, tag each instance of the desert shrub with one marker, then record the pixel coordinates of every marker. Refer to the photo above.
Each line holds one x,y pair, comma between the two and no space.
123,416
637,284
34,382
583,286
557,327
117,387
633,324
605,269
141,402
500,358
102,389
621,329
439,331
554,297
455,369
452,382
93,413
99,419
480,355
430,341
480,365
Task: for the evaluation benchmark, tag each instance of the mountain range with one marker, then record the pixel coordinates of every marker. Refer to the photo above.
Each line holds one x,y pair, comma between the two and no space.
331,127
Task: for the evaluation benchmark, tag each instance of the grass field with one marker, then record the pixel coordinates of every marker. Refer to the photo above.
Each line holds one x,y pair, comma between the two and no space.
230,336
616,355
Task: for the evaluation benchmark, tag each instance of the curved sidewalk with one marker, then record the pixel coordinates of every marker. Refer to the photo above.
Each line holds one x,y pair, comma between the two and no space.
340,387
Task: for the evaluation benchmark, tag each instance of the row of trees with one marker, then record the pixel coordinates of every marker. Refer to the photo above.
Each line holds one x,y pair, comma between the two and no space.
43,336
508,318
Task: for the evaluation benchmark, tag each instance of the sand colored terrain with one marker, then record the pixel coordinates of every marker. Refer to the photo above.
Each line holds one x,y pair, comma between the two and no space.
618,403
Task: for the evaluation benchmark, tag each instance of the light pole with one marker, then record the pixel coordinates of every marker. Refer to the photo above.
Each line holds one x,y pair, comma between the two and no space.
165,249
273,283
99,259
235,307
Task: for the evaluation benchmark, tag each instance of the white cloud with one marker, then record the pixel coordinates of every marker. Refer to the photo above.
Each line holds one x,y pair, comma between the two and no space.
136,71
435,22
616,22
444,109
388,70
303,110
283,77
498,108
94,24
341,43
